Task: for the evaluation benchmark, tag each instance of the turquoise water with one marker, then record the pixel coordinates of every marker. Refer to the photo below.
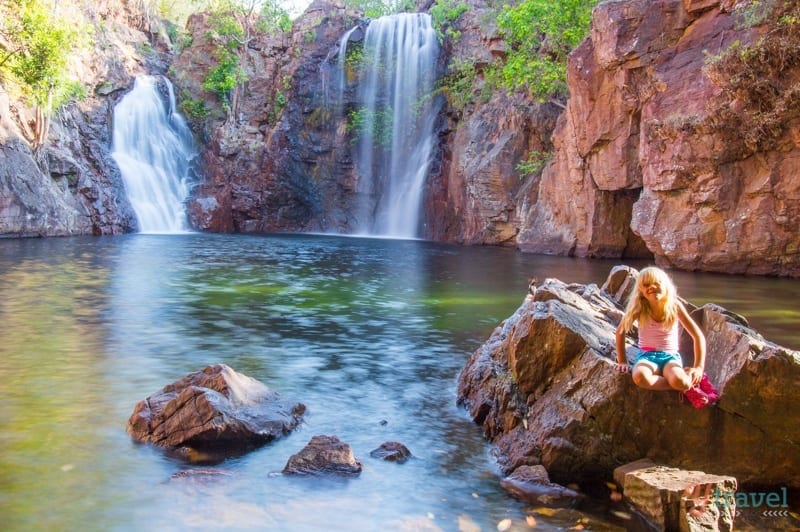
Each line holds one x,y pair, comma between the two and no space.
369,334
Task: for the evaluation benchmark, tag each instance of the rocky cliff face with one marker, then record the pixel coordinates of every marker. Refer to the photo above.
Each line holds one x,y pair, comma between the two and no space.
651,157
283,163
71,185
642,153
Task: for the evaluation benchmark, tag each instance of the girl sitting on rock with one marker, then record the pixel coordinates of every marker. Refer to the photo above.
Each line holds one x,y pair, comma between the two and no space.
656,310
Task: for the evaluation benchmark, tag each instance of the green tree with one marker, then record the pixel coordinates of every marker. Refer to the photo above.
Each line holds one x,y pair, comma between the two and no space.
444,13
234,25
35,48
540,34
379,8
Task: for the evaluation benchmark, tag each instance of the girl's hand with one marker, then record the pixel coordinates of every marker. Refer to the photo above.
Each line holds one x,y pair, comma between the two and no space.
696,374
622,368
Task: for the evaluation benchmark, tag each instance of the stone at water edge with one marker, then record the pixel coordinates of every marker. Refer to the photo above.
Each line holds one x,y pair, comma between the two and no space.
324,455
213,413
677,499
391,451
532,484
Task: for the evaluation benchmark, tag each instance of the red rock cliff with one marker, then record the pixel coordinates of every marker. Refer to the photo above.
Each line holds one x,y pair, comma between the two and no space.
648,149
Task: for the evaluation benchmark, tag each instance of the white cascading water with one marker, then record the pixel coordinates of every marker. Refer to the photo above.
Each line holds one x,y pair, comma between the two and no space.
152,146
399,60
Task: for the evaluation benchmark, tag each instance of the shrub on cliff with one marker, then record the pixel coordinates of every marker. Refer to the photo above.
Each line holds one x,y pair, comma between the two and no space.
760,94
539,35
35,44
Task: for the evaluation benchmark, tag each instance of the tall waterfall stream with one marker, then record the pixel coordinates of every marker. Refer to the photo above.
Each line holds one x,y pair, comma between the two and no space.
395,121
153,147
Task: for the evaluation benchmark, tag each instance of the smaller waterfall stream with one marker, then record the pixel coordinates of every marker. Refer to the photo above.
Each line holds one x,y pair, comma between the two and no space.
395,121
153,147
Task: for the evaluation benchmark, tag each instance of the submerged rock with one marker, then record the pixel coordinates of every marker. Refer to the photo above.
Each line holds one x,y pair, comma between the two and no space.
391,451
532,484
324,455
213,413
544,389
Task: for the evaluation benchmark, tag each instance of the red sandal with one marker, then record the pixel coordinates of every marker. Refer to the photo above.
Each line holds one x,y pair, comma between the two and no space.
697,397
707,387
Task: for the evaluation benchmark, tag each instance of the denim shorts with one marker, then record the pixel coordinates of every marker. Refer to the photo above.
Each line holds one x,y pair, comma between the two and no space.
659,359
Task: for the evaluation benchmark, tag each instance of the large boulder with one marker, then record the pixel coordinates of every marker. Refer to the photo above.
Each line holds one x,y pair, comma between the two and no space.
211,413
545,391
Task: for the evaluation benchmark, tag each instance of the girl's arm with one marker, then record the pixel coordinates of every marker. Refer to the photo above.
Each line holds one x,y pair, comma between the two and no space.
696,371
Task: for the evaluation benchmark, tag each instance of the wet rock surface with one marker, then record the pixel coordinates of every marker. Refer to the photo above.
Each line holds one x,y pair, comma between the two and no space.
213,413
324,455
532,484
391,451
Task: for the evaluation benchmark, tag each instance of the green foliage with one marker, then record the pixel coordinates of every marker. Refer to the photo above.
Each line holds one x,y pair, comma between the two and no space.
540,34
72,90
458,84
273,18
40,47
443,14
179,38
375,124
194,110
278,104
227,30
36,42
232,25
378,8
354,57
754,12
533,164
225,77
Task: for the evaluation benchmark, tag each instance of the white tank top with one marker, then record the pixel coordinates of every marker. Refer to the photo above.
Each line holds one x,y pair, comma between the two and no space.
654,336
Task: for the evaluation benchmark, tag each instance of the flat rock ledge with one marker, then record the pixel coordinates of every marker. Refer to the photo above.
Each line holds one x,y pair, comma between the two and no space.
211,414
677,499
544,389
532,484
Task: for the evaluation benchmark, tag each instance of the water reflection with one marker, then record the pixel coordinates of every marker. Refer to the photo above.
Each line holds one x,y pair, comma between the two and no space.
369,334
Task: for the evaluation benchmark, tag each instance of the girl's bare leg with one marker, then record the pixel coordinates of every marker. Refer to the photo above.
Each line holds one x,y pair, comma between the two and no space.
677,378
645,377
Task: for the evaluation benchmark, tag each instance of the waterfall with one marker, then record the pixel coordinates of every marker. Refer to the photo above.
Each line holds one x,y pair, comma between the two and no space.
152,146
395,118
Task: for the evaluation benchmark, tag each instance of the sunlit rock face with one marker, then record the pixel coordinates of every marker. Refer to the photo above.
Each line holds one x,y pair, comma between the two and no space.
642,157
545,391
283,162
210,414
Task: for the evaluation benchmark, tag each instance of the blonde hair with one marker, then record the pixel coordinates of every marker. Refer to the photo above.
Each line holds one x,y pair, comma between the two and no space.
639,310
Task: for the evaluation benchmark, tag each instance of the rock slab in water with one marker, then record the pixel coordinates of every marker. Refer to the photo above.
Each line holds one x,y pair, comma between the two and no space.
324,455
532,484
676,499
216,411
